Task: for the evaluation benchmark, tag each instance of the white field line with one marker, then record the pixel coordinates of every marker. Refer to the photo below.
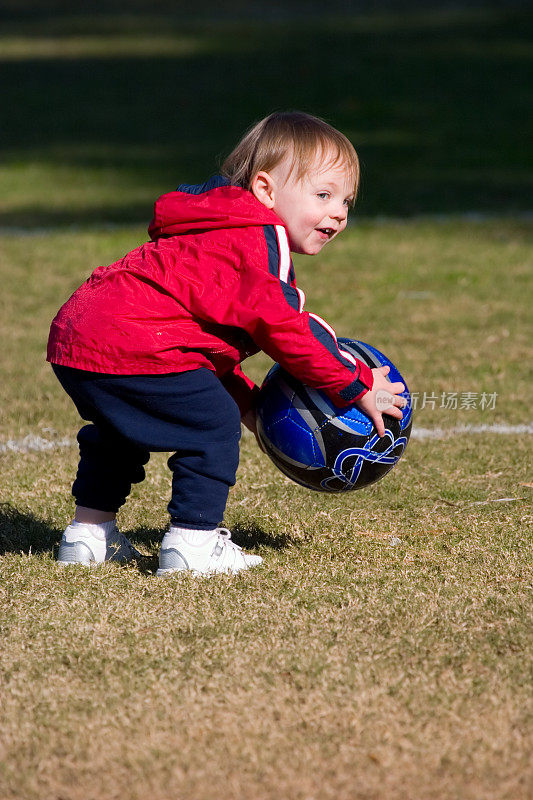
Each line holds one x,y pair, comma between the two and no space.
444,433
33,443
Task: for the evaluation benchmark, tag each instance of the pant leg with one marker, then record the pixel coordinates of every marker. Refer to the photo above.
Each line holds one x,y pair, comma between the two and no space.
108,466
190,414
204,466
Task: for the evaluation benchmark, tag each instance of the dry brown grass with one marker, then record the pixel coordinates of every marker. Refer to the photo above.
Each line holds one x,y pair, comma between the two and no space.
346,667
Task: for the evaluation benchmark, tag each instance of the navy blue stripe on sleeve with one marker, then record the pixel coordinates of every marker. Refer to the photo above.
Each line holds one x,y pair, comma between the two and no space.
353,390
292,274
291,296
273,249
290,293
328,340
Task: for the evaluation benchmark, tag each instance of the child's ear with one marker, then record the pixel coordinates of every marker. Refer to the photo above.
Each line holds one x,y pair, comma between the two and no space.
263,189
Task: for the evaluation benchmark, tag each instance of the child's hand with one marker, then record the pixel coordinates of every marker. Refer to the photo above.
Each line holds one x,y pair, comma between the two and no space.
249,420
382,399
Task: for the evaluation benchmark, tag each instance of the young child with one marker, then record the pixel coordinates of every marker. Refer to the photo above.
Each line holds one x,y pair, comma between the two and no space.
149,348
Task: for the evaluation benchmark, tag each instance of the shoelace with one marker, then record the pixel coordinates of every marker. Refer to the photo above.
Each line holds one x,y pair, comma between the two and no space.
226,535
125,542
119,541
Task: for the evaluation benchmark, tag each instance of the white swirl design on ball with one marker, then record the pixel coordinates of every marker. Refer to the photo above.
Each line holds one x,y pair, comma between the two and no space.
364,454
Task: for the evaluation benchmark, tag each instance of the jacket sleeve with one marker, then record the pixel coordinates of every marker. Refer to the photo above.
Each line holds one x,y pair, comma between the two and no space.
262,298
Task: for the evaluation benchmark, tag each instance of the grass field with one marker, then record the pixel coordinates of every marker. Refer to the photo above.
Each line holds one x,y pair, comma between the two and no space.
383,650
348,666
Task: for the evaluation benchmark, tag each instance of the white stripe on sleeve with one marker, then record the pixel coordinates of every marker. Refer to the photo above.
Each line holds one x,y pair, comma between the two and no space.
284,253
301,295
348,356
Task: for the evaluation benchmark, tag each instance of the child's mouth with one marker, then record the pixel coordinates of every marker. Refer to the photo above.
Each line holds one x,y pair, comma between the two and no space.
327,233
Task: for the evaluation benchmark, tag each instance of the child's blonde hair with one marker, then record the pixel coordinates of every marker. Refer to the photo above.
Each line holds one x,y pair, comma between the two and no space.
270,140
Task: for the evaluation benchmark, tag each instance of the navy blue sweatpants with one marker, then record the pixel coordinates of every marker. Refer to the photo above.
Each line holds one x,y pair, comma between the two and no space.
189,414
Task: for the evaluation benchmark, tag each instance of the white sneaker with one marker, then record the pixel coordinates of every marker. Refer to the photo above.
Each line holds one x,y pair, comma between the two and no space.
90,545
219,554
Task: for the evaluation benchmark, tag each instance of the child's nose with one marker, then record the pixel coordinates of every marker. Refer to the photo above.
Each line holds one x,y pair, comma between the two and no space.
340,213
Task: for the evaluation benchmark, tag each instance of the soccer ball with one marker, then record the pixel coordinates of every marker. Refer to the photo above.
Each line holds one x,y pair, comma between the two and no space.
320,445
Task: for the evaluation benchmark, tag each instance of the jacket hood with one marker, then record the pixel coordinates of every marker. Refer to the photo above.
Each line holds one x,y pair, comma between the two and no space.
208,206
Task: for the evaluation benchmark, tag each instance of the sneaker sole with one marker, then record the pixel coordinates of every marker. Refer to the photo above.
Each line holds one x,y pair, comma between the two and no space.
80,553
165,573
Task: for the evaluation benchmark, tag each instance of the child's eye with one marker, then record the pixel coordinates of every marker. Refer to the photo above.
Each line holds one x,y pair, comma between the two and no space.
323,195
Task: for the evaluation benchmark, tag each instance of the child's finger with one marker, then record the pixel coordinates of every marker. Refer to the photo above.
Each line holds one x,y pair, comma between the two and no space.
399,401
395,412
379,425
385,401
396,388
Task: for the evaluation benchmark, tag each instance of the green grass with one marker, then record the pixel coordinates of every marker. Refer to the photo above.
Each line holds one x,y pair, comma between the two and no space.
348,666
111,110
461,286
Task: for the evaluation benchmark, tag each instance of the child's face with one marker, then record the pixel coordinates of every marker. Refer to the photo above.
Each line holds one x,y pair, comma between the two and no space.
314,208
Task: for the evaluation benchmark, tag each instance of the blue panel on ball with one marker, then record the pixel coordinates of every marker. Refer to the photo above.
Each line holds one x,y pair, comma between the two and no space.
322,446
296,442
284,418
375,358
355,419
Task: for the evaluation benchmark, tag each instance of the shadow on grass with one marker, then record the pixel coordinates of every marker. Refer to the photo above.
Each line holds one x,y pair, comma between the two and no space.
247,537
24,533
435,100
20,532
252,536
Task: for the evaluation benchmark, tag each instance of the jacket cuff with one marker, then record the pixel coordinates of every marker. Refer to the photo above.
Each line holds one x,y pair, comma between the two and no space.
241,388
360,386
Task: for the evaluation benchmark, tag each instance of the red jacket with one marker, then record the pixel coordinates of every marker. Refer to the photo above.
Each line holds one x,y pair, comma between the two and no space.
214,285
